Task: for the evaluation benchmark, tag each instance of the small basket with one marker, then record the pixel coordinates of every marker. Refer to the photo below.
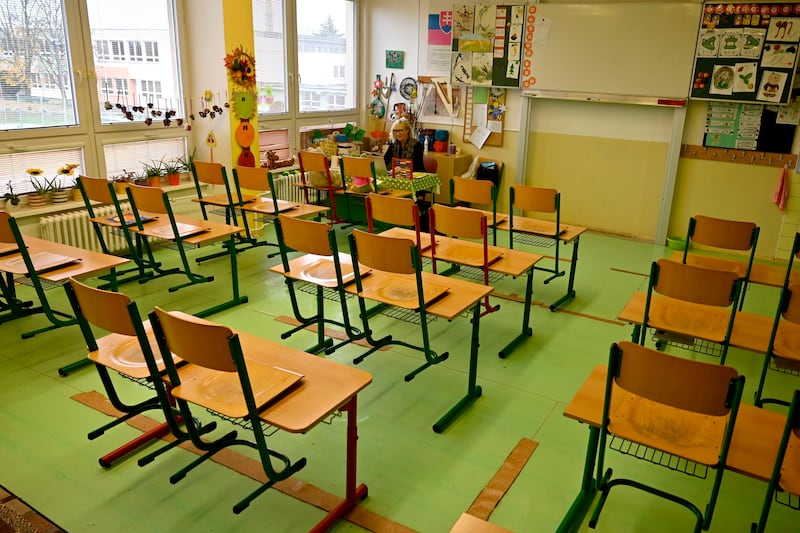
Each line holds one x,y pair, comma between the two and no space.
676,243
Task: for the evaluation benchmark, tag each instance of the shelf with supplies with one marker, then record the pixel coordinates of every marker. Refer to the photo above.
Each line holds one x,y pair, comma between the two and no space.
734,155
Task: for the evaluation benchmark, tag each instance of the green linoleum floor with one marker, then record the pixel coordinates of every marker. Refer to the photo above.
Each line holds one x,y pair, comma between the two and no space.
415,477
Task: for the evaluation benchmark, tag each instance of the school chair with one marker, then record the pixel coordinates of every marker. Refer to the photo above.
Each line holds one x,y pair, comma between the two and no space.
709,235
360,173
214,376
647,395
530,201
388,211
784,483
315,175
323,267
224,203
129,349
101,191
686,303
479,191
463,224
783,353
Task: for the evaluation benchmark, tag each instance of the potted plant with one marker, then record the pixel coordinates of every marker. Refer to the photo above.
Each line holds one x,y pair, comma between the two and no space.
173,169
153,171
122,181
42,187
11,197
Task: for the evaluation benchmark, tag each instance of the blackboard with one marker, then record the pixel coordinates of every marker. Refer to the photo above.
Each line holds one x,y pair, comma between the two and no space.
746,52
630,49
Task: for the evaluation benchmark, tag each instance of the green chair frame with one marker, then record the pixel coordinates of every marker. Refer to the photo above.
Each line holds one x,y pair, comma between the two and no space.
782,349
784,478
216,347
318,238
526,198
677,388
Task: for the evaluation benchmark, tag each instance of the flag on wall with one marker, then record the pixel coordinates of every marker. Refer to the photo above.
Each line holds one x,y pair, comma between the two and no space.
440,26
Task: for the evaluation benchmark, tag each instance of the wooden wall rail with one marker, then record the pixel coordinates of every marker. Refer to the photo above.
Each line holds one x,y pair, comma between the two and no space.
734,155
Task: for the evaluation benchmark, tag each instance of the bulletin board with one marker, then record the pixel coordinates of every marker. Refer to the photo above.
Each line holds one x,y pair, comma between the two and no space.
487,44
485,108
746,52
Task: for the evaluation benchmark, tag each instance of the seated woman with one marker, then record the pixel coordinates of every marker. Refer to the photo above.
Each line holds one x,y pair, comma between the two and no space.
403,145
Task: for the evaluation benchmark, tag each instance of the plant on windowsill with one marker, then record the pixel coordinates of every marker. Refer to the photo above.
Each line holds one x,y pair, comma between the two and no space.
121,181
153,170
42,187
11,197
173,169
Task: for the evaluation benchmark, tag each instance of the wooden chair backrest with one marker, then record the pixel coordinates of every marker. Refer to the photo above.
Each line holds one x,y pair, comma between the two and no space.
307,236
390,254
97,189
196,340
538,199
211,173
458,222
391,210
6,235
694,284
105,309
472,190
359,167
253,178
721,233
150,199
313,162
679,382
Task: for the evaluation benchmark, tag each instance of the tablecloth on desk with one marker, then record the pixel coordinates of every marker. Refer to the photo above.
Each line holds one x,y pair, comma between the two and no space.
422,181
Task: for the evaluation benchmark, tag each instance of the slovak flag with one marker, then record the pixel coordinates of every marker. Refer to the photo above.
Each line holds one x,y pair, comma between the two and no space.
440,28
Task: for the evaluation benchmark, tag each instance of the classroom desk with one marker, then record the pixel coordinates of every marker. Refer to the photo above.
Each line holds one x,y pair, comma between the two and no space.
461,296
42,254
753,449
546,229
326,387
750,331
511,263
760,274
212,232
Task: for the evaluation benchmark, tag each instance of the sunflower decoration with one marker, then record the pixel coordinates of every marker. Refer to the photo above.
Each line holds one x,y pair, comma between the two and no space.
241,67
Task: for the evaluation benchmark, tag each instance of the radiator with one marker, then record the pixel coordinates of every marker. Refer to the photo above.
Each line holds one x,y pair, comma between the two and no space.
75,229
285,188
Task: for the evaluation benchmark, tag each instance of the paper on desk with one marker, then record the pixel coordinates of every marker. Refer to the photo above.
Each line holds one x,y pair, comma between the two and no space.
479,136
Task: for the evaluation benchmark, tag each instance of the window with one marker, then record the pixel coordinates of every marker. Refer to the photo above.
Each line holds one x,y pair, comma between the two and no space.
151,51
135,50
297,88
101,50
117,51
150,90
13,168
130,156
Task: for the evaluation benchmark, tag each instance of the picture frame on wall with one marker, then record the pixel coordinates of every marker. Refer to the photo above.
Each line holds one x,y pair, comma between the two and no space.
395,58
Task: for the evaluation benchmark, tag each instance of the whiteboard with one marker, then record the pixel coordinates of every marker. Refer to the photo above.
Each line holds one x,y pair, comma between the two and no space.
630,49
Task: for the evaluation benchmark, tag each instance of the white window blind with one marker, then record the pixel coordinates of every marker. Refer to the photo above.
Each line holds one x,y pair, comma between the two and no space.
13,168
131,157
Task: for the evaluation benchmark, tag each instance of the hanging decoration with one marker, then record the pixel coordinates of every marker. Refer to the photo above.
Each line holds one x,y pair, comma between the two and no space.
241,67
242,70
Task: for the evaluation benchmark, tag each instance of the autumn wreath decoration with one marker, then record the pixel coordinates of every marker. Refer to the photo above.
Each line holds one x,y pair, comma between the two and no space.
241,66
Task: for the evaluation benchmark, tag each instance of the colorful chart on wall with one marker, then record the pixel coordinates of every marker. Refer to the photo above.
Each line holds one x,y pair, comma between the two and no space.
485,114
747,52
486,44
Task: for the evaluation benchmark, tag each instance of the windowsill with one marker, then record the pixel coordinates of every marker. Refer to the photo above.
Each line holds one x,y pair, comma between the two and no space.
23,211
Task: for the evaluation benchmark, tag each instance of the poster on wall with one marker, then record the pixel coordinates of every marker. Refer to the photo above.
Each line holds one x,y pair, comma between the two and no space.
747,52
486,44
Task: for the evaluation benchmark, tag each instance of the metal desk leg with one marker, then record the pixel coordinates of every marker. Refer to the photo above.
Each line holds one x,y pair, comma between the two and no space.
353,493
474,391
583,501
236,299
527,330
571,284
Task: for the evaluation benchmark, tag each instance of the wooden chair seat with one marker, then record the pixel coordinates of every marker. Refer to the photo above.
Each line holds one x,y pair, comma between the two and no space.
221,200
123,353
401,290
467,253
688,318
318,269
492,218
717,263
537,227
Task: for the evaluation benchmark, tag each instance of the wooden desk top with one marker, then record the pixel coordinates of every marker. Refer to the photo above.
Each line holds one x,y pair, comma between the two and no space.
472,524
755,438
265,206
492,219
510,262
221,199
750,331
770,275
214,231
545,228
326,386
89,262
460,297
